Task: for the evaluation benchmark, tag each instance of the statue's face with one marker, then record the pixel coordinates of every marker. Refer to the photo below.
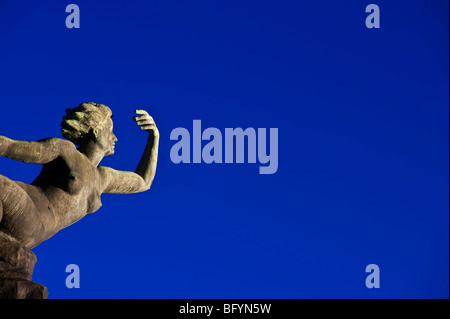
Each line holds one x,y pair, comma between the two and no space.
106,138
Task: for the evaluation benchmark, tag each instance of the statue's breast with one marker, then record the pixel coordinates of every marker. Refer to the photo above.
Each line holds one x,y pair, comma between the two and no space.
58,174
74,189
94,203
93,199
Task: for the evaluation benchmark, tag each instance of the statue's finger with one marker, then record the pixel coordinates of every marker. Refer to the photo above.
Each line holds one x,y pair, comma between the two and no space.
141,111
142,117
145,121
148,127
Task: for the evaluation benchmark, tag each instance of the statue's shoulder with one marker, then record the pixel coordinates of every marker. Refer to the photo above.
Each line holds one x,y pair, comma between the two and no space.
68,152
57,145
60,142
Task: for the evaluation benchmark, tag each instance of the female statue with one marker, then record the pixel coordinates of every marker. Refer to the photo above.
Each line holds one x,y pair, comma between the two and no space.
71,181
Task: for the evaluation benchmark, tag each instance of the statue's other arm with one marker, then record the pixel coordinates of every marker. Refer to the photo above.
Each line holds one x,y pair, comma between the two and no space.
36,152
123,182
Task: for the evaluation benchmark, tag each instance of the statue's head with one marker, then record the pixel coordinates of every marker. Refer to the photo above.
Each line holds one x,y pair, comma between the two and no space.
90,122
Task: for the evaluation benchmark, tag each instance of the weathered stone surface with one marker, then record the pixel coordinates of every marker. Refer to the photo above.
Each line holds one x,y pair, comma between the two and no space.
16,271
68,187
22,289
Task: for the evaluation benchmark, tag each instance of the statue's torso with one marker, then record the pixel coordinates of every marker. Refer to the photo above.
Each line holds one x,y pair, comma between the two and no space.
64,194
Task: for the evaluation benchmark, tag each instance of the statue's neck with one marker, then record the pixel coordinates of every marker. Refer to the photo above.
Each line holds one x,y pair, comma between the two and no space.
92,152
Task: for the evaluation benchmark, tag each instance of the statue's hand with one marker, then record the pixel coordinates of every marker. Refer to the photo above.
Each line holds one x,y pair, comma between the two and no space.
146,122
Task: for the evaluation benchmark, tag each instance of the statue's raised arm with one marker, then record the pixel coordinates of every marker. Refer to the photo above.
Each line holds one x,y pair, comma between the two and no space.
127,182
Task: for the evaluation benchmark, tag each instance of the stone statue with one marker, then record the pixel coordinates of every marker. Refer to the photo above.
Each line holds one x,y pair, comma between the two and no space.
68,187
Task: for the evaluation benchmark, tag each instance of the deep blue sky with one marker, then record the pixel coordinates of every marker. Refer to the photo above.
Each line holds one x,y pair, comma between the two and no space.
363,144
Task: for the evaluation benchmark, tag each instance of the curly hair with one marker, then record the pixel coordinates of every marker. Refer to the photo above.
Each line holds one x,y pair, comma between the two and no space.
79,121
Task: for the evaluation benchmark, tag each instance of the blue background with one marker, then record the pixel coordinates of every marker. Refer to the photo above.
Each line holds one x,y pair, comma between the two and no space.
363,144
